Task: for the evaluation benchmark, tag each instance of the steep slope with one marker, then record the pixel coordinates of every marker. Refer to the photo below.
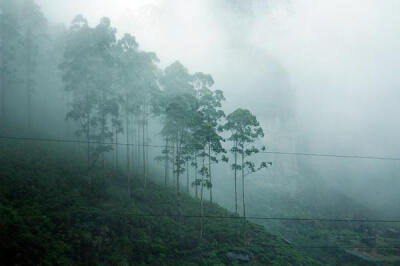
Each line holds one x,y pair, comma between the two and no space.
331,242
50,216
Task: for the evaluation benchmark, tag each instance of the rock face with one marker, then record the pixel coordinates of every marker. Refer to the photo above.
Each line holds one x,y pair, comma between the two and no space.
234,257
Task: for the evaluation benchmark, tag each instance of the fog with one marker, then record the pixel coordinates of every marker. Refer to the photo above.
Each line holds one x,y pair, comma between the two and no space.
320,77
327,66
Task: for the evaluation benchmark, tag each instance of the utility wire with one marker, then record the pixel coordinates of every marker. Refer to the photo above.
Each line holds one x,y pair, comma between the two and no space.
316,247
260,246
252,218
230,217
268,218
248,217
332,155
163,146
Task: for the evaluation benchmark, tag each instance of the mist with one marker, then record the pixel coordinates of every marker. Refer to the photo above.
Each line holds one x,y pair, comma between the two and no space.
320,76
329,67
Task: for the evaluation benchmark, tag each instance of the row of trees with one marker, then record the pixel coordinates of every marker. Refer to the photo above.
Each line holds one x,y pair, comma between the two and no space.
110,82
22,33
116,91
116,87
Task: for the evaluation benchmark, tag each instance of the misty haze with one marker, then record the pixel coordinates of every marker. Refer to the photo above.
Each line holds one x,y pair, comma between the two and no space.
199,132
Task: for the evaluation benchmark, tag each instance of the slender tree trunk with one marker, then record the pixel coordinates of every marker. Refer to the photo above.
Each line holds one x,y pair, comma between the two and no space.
88,147
29,81
116,148
112,150
178,193
139,146
209,169
88,136
178,166
201,202
3,102
236,200
144,155
195,175
103,127
187,176
147,149
173,164
244,205
2,84
243,197
166,174
144,144
133,143
103,138
29,92
128,157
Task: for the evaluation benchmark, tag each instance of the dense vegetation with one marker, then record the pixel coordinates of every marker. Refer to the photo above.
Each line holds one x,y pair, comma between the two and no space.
92,202
113,90
48,216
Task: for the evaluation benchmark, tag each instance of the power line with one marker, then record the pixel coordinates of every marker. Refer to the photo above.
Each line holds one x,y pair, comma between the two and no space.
258,246
315,247
301,247
268,218
294,246
333,155
164,146
299,219
248,217
296,219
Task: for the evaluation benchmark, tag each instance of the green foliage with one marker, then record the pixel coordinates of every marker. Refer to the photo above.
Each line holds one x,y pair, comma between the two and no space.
9,43
23,34
88,75
244,129
48,217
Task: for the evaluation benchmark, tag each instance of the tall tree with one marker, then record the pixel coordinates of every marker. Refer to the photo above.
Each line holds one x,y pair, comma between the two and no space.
175,82
245,130
87,74
10,44
77,78
33,28
180,115
107,108
137,74
147,82
125,54
210,110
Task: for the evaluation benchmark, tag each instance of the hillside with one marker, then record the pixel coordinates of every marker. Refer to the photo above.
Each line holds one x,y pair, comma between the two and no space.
49,216
361,243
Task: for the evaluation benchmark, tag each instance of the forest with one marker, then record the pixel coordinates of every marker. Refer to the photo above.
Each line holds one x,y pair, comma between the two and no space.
109,156
113,91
